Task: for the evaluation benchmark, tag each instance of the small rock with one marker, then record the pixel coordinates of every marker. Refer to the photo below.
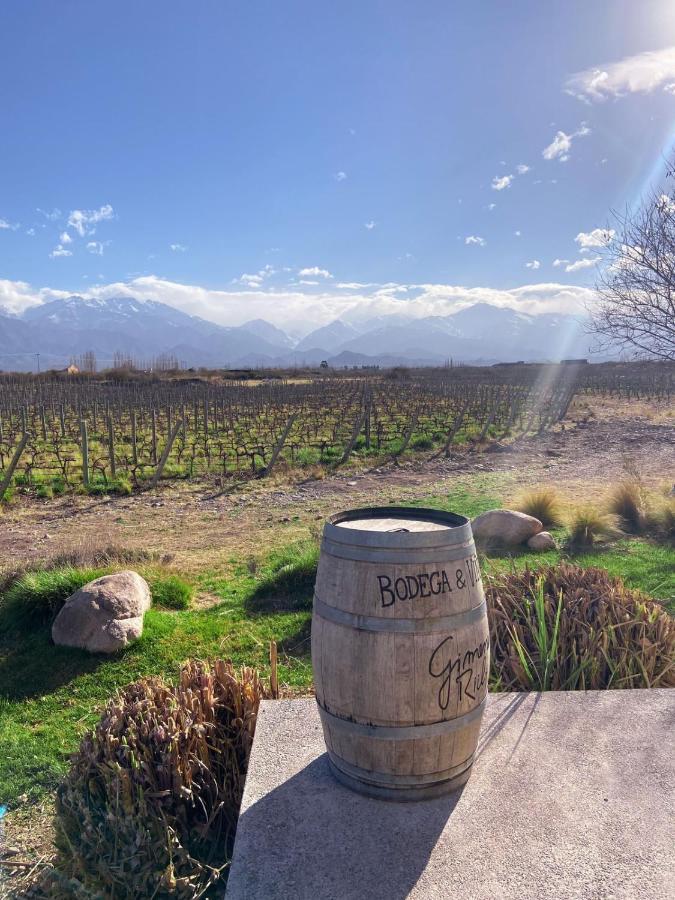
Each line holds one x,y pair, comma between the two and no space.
351,483
542,541
104,615
504,526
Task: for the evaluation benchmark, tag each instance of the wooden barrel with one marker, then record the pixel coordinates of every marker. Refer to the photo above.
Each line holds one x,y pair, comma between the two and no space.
400,650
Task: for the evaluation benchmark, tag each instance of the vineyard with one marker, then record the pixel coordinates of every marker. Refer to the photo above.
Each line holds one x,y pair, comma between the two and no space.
108,433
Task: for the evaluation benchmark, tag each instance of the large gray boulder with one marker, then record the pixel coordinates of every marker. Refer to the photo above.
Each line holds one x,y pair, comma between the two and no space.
505,527
104,615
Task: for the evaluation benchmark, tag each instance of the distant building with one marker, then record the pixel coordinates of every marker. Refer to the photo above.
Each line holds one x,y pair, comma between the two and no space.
72,369
574,362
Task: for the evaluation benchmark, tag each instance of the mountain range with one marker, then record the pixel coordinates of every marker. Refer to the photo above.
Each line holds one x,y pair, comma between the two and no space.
64,328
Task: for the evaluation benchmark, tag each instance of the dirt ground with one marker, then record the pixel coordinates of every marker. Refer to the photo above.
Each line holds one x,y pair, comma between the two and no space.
202,523
26,848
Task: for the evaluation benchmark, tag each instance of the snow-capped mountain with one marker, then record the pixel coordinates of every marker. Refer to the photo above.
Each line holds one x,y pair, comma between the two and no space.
143,329
333,335
269,333
66,327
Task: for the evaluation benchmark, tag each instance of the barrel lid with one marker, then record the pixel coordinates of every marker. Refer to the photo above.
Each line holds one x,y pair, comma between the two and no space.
397,526
393,523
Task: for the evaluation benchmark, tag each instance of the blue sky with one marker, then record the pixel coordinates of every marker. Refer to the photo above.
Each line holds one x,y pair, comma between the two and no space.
303,160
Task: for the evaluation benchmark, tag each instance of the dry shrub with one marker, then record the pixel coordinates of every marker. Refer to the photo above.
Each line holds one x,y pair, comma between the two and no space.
629,504
661,521
588,526
84,557
544,505
150,805
567,628
667,521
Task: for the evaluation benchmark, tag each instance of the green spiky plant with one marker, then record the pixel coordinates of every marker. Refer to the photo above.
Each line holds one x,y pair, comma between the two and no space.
538,666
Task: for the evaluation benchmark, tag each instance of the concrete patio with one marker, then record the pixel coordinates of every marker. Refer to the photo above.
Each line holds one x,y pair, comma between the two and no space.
572,796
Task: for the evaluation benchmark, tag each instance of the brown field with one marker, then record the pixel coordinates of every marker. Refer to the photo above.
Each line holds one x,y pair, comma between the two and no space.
602,441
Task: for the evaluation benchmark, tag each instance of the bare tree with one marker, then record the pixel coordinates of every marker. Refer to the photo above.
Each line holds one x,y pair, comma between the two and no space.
87,362
635,307
123,360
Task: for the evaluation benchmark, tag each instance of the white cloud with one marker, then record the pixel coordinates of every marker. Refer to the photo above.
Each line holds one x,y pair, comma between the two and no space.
4,224
533,264
257,278
561,145
475,239
340,176
492,206
586,263
30,231
318,305
52,215
83,220
639,74
517,233
560,262
598,237
370,225
315,271
522,169
499,184
65,238
60,250
95,247
178,248
250,280
9,226
15,296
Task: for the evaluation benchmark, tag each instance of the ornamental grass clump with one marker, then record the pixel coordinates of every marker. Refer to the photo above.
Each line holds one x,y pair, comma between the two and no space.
544,505
588,527
667,521
566,628
628,503
150,805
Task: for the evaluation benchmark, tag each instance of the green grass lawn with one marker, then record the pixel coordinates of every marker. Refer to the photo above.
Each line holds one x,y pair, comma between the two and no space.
50,695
